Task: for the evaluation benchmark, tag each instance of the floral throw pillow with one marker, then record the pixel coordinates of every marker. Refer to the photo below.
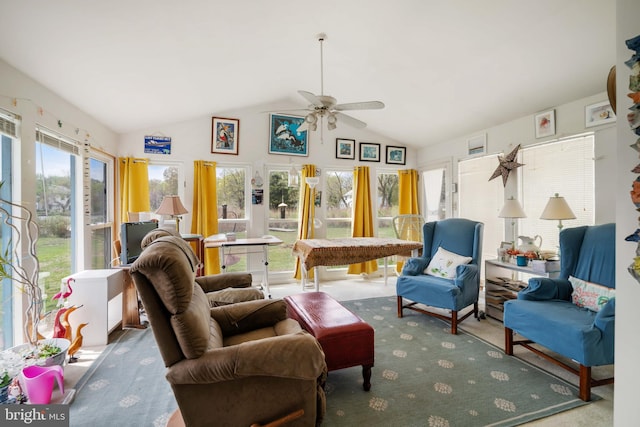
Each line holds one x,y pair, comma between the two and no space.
590,295
444,264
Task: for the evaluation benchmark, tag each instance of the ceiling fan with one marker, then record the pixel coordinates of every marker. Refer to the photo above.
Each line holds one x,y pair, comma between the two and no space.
327,106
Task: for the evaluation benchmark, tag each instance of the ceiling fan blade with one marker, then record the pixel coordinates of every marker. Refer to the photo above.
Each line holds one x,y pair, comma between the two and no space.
314,100
367,105
304,126
295,110
351,121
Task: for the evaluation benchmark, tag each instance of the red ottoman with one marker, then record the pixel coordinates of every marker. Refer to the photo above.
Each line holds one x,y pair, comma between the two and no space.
346,339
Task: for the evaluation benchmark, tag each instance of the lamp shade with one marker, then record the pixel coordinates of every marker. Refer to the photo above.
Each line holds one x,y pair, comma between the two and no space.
557,208
171,205
512,209
312,181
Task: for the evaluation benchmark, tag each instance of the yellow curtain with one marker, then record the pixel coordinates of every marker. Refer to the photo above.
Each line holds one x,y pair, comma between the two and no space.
306,213
134,186
408,201
205,210
408,192
362,216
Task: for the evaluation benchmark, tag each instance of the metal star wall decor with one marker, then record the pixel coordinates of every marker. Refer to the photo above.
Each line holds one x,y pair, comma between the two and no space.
507,164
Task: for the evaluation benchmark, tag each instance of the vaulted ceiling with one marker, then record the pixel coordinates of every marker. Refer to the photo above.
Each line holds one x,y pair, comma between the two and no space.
444,69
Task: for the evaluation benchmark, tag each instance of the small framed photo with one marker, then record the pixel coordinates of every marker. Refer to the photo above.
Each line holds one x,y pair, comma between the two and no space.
284,137
369,152
506,245
396,155
545,124
599,114
224,135
345,148
477,145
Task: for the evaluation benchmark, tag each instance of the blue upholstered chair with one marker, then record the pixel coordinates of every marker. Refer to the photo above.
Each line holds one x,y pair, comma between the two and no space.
462,237
545,313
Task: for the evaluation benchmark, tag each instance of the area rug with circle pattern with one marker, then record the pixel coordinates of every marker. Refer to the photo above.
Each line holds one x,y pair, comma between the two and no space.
423,376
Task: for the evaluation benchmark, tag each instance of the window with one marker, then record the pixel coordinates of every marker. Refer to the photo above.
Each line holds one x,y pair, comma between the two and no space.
163,181
565,167
231,187
339,201
435,194
6,287
282,220
387,202
57,210
101,208
481,200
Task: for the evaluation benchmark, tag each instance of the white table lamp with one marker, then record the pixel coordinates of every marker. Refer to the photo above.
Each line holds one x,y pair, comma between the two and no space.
557,208
513,210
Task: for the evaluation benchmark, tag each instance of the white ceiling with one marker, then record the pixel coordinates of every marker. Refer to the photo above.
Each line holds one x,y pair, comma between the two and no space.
444,69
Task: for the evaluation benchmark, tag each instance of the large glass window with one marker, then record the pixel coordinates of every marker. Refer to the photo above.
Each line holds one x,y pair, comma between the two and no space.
481,200
435,194
386,202
101,208
339,200
6,287
564,167
282,220
231,186
163,181
56,210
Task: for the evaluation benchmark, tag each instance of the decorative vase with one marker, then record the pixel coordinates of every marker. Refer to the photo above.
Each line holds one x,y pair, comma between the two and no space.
38,382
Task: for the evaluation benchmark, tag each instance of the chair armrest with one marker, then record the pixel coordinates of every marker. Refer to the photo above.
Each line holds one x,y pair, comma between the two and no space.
296,356
606,318
415,266
543,288
465,273
216,282
246,316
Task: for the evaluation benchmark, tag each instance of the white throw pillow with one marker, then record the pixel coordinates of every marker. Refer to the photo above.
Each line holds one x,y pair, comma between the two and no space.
444,264
590,295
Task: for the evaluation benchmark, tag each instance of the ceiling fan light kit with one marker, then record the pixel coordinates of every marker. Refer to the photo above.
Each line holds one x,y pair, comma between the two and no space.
324,105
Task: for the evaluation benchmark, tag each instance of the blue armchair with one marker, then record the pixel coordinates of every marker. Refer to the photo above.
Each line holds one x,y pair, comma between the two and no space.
462,237
545,313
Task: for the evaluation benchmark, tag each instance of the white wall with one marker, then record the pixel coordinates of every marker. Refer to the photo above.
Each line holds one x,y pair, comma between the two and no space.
627,288
191,140
570,120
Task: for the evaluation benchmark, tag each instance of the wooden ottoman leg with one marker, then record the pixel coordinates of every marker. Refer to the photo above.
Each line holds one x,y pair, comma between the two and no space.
366,376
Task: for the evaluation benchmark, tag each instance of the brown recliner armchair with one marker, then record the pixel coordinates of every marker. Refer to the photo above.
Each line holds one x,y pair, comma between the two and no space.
221,289
232,365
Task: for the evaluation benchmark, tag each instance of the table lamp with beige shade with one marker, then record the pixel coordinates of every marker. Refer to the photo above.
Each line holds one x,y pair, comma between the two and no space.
513,210
172,206
557,209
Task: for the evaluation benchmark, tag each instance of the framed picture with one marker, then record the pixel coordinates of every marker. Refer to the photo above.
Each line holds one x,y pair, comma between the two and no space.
599,114
545,124
506,245
224,135
477,145
345,148
396,155
369,152
284,137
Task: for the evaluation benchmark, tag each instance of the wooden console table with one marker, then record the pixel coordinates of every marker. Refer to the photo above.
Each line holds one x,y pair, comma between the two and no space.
316,252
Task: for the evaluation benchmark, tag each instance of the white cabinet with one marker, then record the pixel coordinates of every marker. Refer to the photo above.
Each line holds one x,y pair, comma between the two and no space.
100,294
503,281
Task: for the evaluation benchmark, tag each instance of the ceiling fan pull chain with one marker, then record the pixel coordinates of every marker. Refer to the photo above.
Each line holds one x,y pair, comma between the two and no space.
321,37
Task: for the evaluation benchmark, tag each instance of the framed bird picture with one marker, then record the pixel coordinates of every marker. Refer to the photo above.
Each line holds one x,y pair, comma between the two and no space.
285,138
224,135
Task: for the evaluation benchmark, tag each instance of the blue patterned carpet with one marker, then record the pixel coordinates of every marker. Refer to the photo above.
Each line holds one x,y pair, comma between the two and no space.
423,376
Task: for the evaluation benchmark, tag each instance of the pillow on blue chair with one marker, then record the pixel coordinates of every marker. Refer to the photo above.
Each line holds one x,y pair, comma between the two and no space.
590,295
444,264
